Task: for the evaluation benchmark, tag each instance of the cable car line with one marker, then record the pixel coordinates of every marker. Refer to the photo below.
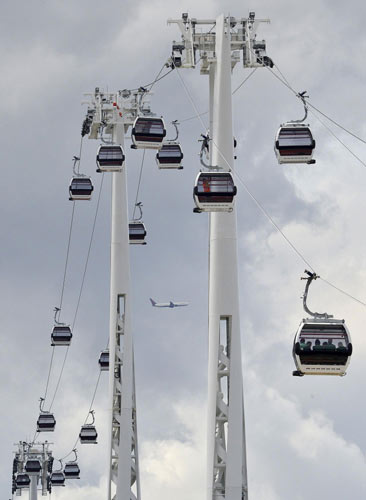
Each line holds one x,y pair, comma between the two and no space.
233,92
343,291
264,211
67,255
285,82
81,290
139,182
87,416
157,79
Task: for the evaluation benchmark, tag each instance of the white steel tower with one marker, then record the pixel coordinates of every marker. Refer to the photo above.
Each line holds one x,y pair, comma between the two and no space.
109,116
219,43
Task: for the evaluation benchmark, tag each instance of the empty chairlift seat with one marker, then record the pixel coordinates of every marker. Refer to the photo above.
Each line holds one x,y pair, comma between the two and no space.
58,478
33,466
22,481
110,158
214,192
137,233
294,144
81,188
170,155
72,470
61,335
46,422
322,347
104,361
88,434
148,132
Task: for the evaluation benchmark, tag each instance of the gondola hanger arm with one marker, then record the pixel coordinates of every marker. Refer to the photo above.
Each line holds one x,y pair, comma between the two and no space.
302,96
309,279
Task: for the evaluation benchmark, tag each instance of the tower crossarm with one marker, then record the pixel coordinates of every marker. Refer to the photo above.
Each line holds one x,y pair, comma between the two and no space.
199,36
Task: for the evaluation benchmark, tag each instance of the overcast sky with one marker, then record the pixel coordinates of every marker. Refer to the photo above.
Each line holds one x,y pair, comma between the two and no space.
305,437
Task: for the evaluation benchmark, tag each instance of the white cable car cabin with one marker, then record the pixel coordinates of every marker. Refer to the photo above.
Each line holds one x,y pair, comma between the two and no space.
88,434
137,232
81,188
57,478
104,361
46,422
148,132
61,335
22,481
214,192
322,347
110,158
33,466
72,470
294,144
170,156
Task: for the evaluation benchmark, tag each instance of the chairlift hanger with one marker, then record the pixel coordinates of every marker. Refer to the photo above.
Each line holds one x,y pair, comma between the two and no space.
88,433
136,228
57,477
170,155
294,141
46,421
71,469
61,334
322,345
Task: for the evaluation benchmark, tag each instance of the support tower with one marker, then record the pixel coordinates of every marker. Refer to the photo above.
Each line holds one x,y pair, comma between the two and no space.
220,42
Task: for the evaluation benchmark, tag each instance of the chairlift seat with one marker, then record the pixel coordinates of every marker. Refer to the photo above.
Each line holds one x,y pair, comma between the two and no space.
110,158
22,481
58,478
104,360
46,422
148,132
72,470
321,358
33,466
170,156
81,188
137,233
88,434
61,335
294,144
214,192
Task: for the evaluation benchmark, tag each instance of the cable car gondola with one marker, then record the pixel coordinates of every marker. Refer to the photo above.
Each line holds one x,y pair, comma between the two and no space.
72,470
148,132
81,188
294,144
170,155
33,466
88,433
214,192
46,422
22,481
57,478
61,335
110,158
322,345
104,360
137,232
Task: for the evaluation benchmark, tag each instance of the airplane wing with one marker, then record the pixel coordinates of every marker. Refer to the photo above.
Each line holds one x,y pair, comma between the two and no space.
170,304
159,304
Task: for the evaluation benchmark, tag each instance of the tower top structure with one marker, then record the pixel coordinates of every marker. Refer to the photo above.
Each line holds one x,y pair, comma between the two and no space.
199,36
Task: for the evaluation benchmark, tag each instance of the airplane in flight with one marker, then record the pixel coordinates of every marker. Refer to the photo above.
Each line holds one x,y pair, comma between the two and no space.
168,304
